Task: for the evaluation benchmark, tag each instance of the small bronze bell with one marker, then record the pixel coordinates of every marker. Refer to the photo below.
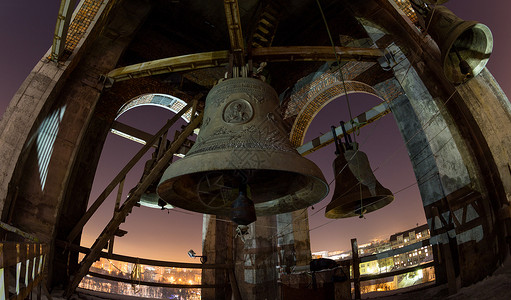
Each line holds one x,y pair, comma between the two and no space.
357,191
465,45
242,141
149,198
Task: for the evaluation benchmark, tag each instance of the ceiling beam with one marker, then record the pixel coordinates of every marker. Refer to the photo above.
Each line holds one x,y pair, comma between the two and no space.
221,58
169,65
132,133
315,53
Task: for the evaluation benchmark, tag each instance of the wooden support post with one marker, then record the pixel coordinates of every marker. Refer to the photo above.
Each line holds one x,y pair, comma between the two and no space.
234,285
79,226
232,15
356,270
116,208
126,208
4,273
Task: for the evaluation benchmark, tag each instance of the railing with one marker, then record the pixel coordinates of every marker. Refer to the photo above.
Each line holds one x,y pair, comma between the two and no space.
338,281
157,263
356,260
26,261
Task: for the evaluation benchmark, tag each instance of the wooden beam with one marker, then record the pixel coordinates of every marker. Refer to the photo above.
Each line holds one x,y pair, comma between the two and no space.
397,272
122,174
361,120
356,267
221,58
314,53
19,232
171,64
143,261
131,133
392,252
232,15
157,284
126,208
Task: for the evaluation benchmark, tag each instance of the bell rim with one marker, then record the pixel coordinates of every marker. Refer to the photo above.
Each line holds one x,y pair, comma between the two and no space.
308,170
467,25
329,212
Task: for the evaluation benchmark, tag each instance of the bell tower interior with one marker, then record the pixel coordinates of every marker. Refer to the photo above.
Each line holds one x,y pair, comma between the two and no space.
244,80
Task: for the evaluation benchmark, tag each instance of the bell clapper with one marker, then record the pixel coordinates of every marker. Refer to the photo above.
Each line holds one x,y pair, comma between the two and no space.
464,66
243,209
338,148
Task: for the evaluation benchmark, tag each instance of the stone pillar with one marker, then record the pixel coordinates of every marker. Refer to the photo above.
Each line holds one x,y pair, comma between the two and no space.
256,260
456,149
217,245
293,240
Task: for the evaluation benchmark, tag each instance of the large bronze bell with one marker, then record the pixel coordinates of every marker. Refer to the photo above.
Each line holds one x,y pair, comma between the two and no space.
465,45
242,144
357,191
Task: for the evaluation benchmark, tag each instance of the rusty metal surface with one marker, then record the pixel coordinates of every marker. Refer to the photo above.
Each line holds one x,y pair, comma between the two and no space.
242,138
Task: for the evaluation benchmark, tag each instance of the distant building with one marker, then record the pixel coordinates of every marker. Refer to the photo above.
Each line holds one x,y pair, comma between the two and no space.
408,237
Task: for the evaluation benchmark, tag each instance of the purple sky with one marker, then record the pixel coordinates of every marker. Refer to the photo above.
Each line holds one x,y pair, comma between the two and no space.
26,29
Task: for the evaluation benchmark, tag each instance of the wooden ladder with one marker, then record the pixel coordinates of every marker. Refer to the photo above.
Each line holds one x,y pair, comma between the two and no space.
120,215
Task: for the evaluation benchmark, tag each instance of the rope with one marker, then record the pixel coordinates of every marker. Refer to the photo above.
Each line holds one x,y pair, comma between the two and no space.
338,64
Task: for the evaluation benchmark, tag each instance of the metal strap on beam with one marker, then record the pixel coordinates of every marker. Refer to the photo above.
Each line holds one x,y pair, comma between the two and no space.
122,174
361,120
63,20
126,208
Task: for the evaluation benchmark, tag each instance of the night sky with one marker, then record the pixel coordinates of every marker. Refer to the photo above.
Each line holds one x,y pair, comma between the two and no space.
26,29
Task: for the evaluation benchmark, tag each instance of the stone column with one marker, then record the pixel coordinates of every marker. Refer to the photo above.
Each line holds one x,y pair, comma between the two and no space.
217,245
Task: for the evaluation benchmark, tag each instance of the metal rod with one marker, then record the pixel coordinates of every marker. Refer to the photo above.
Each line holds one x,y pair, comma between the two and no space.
336,141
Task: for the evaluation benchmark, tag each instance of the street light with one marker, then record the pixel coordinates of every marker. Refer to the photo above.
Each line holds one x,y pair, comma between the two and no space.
203,258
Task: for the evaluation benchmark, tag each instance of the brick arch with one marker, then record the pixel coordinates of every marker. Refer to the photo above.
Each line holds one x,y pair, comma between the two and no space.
121,93
314,99
165,101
